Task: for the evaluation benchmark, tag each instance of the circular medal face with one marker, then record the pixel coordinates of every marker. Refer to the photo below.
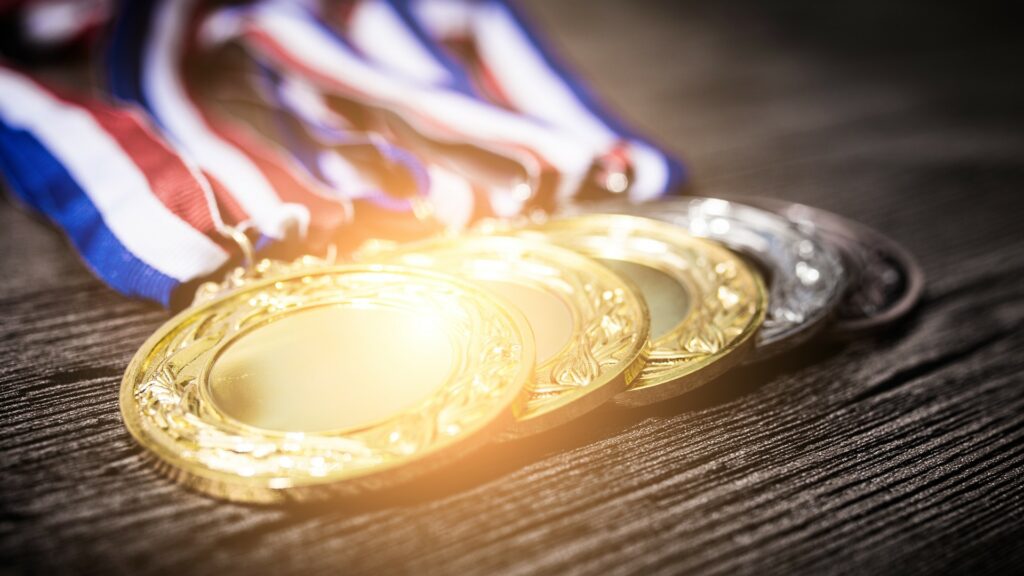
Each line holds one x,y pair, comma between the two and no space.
806,277
885,281
705,302
327,381
591,326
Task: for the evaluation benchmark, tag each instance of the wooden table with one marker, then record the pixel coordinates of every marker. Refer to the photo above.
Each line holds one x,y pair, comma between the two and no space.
900,454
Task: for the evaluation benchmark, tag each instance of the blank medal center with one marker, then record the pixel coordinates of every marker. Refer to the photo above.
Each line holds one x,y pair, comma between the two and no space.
667,299
332,368
549,316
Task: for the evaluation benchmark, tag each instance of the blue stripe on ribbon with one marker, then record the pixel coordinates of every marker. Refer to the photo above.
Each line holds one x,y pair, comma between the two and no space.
41,181
459,80
125,51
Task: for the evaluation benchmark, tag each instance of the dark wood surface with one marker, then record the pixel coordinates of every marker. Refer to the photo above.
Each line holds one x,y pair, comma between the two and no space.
901,453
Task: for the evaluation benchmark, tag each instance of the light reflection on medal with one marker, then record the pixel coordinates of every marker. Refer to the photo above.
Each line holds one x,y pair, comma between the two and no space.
591,326
706,303
319,381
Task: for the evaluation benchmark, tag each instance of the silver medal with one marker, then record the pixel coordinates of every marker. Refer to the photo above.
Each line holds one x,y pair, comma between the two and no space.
806,275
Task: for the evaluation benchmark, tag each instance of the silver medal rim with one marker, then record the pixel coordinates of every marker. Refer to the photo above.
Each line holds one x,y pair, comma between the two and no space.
807,278
850,237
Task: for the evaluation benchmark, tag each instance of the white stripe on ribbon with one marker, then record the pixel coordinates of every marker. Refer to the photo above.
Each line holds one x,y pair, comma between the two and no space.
379,32
445,18
526,79
113,182
171,104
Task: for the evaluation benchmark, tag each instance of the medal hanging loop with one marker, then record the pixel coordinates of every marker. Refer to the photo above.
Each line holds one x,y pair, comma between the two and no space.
244,246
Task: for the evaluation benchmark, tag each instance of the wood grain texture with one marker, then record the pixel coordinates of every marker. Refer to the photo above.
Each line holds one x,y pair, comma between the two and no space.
899,454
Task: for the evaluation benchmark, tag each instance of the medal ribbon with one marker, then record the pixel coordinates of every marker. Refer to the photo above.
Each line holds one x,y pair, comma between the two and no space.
288,38
325,143
147,50
133,210
513,66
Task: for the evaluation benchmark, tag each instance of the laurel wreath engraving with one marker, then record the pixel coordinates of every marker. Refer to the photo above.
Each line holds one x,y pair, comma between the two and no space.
176,414
609,336
723,308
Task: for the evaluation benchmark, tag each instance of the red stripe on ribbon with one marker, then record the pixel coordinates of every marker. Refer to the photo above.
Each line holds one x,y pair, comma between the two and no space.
169,179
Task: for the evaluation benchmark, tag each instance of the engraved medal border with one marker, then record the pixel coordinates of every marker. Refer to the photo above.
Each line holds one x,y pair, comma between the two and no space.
611,323
871,258
806,275
728,297
165,407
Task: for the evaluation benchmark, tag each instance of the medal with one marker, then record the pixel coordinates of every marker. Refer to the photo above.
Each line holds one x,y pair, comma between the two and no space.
705,302
591,326
886,280
308,381
806,277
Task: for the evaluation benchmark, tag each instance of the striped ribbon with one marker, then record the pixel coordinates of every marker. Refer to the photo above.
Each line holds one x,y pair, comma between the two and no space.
327,144
511,65
131,207
286,37
515,132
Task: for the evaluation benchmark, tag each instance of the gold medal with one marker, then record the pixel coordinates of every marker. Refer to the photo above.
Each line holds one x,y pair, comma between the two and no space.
313,381
705,302
591,326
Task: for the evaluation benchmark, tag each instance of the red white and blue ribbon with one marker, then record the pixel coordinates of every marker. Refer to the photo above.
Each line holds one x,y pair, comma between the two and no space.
387,34
512,65
288,37
131,207
145,56
340,155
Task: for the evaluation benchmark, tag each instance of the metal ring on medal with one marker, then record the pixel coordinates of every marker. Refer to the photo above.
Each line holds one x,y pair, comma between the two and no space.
318,382
885,280
806,277
706,303
591,325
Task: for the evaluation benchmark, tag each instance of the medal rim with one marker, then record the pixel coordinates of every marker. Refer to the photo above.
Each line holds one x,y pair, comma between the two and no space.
684,374
236,487
609,382
843,229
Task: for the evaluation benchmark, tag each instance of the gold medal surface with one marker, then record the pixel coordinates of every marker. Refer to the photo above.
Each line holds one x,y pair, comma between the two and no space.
591,326
705,302
314,382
